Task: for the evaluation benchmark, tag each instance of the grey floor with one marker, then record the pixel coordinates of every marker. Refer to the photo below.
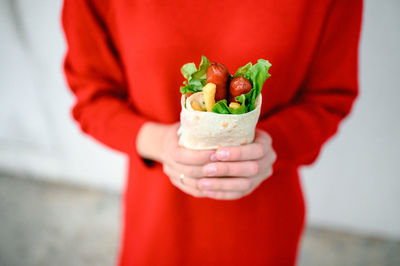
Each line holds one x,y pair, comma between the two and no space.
49,224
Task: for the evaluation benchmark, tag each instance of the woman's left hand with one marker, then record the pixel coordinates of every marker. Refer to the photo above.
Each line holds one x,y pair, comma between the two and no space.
238,171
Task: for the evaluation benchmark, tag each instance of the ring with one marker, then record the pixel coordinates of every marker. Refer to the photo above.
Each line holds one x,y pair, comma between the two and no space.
181,177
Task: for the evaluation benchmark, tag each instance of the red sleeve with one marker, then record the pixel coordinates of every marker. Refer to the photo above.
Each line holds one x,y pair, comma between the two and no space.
299,129
94,73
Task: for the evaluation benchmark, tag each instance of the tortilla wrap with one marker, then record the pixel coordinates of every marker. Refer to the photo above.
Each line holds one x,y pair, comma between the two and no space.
208,130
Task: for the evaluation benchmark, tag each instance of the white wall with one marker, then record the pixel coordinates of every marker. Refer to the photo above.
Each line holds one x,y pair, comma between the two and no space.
37,134
353,186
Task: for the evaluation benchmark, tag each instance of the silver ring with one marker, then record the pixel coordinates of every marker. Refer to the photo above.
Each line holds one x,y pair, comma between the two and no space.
181,177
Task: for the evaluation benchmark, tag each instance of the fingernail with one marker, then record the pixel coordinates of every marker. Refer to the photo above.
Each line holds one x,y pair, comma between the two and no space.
213,157
223,154
211,170
204,184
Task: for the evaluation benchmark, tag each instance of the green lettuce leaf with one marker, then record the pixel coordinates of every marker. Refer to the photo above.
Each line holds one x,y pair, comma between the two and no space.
188,69
221,107
201,74
196,78
258,74
243,70
189,89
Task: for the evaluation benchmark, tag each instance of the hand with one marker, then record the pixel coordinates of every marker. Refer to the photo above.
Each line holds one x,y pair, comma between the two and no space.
179,162
227,173
240,169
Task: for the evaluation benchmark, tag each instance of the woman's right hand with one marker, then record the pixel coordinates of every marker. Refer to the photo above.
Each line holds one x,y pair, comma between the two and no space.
184,167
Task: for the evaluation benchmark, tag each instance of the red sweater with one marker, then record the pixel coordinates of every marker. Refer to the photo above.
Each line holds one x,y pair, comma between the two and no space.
123,65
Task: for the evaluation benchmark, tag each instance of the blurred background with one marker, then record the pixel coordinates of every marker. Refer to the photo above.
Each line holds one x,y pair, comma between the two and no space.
59,189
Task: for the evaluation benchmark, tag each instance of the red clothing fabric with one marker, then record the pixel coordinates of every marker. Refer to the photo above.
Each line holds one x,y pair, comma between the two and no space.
123,65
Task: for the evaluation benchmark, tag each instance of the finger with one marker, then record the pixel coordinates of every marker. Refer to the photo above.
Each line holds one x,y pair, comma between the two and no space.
246,169
188,190
188,182
271,154
253,151
247,152
190,157
226,184
186,185
262,137
224,195
266,163
193,171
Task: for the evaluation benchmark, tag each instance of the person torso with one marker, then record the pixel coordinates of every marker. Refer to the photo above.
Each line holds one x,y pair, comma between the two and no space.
155,38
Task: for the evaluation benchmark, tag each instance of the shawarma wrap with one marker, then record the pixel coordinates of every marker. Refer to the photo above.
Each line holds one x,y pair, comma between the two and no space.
207,120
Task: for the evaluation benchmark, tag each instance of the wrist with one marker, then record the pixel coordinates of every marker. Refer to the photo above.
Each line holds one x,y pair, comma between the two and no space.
150,140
